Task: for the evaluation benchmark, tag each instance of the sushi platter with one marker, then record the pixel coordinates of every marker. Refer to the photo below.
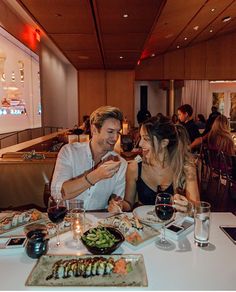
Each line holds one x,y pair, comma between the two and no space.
136,234
15,219
88,270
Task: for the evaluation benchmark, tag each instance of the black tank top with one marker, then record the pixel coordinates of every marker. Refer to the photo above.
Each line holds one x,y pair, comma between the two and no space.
145,194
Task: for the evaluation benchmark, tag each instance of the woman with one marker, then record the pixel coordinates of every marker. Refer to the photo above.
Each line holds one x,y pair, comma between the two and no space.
167,165
219,137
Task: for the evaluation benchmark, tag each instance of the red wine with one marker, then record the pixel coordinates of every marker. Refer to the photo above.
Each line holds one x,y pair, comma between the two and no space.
164,212
57,214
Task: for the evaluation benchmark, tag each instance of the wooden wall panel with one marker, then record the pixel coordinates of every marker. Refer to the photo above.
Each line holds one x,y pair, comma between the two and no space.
211,60
219,58
150,69
233,57
195,61
174,65
92,91
120,92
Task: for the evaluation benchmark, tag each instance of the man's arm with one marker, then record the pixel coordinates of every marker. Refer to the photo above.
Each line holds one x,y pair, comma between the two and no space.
75,186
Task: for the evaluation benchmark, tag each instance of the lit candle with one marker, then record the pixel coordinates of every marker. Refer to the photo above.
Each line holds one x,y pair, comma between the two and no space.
125,127
84,138
77,230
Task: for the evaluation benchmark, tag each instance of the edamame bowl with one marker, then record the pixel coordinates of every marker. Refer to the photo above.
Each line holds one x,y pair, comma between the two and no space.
102,240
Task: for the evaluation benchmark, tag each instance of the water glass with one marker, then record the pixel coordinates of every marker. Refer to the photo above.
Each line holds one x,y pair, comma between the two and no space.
202,212
77,217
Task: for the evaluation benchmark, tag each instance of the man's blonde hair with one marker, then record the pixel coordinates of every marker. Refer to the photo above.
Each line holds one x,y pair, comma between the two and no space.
103,113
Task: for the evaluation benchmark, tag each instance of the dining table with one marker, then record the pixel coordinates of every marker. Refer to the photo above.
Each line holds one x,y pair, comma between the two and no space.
184,267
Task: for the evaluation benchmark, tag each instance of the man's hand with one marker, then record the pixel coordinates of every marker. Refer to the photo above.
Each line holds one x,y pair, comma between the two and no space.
107,169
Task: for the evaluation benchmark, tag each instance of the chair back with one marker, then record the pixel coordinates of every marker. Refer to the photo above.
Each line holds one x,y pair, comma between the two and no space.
226,165
214,160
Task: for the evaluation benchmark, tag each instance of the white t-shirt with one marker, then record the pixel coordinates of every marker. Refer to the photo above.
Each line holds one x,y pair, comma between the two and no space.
76,158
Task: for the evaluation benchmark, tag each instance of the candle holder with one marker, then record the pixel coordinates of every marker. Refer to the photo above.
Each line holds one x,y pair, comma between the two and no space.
77,228
77,217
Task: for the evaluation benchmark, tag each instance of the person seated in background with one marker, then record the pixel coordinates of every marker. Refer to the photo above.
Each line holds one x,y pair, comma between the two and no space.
213,115
142,116
185,113
92,171
201,121
174,119
86,125
167,166
219,138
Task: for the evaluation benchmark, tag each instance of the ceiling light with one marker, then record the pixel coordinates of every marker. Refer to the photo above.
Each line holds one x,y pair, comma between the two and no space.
178,47
169,35
196,27
223,81
121,57
138,62
125,15
185,39
83,57
58,15
226,18
211,30
212,9
153,55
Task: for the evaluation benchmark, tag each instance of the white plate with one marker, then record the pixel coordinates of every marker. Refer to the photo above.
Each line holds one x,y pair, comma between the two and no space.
146,214
146,234
137,277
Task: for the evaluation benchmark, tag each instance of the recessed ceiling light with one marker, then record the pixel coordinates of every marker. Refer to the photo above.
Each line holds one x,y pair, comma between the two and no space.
212,9
169,35
83,57
196,27
125,15
185,39
121,57
211,30
178,47
226,18
153,55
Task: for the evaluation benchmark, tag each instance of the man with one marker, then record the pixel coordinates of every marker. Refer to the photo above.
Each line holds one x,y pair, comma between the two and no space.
185,113
213,115
92,171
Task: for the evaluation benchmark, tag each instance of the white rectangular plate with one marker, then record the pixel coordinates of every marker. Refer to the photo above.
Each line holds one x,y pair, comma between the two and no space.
146,235
136,278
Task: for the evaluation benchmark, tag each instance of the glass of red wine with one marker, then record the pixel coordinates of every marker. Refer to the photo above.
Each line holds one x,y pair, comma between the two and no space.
165,211
56,213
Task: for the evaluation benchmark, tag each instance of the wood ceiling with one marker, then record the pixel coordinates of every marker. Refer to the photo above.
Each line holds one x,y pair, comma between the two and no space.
95,34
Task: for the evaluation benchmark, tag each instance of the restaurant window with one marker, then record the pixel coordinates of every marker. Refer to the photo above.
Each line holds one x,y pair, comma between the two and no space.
20,98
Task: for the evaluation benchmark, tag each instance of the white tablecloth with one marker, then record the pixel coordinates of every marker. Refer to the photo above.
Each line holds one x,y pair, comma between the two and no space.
187,267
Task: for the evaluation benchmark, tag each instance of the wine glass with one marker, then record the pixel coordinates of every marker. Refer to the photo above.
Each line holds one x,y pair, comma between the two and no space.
56,213
165,211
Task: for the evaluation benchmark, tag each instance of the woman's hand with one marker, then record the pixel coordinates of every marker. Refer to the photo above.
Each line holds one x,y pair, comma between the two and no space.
115,204
181,203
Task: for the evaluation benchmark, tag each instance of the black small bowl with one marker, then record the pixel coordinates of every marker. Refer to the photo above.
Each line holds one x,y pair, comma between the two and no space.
106,250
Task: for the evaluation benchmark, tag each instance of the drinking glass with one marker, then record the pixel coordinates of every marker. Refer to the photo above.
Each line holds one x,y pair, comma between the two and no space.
56,213
165,211
202,213
77,217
